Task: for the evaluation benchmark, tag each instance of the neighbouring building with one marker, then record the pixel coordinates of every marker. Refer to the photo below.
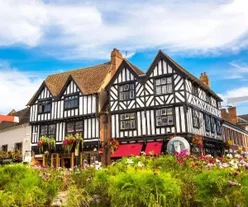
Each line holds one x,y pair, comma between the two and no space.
147,109
235,134
17,136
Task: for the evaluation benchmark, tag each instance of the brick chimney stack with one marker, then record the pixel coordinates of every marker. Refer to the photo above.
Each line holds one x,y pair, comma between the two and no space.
233,118
205,79
224,114
116,59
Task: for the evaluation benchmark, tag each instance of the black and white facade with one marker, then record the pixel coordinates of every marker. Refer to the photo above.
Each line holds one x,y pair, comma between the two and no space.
164,102
70,112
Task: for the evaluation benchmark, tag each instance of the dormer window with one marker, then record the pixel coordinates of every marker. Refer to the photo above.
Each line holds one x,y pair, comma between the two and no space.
126,91
44,106
195,90
163,85
71,102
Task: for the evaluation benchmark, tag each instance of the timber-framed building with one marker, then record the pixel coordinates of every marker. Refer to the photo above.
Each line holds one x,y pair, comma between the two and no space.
150,108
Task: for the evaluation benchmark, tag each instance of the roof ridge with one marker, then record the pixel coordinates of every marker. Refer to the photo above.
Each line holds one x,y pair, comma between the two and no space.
69,71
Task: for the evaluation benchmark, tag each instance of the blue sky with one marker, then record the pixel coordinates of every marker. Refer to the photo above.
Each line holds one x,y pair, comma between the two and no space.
44,37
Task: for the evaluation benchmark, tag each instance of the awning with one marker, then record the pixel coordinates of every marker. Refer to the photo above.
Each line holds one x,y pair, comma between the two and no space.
153,148
126,150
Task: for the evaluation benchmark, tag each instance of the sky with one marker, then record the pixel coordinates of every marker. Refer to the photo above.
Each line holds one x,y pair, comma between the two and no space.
42,37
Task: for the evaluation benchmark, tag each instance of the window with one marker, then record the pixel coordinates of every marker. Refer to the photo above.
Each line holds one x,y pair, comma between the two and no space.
74,127
126,91
44,106
164,117
71,102
218,126
18,146
48,130
208,99
207,123
212,125
163,85
196,120
5,148
128,121
195,90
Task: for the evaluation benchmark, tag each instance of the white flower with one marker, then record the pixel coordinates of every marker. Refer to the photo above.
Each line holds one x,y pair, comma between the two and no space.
225,165
140,164
129,161
237,156
229,155
208,155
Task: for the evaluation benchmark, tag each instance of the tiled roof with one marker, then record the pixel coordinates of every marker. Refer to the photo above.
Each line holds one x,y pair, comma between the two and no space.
192,77
243,117
23,119
88,78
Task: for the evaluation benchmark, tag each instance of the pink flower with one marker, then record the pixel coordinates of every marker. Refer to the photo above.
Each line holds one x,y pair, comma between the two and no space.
65,142
233,183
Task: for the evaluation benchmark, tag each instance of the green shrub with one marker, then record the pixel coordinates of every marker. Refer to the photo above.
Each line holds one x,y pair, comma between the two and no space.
23,186
143,187
221,187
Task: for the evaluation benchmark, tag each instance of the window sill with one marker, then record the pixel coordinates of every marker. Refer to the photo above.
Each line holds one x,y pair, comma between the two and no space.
39,113
70,108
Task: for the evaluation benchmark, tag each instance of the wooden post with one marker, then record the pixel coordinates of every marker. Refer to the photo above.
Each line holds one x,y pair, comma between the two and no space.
43,160
52,160
57,160
63,162
81,159
72,160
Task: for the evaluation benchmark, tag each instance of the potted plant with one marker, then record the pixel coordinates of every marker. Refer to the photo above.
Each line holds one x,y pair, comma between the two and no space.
46,143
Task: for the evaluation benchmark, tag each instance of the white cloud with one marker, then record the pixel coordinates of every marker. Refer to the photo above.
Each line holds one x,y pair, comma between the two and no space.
93,28
16,87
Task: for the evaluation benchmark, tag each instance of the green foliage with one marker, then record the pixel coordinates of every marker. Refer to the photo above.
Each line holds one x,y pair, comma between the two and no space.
22,186
78,197
220,187
140,187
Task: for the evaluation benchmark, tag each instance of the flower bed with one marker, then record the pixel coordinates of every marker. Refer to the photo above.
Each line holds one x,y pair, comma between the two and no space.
170,180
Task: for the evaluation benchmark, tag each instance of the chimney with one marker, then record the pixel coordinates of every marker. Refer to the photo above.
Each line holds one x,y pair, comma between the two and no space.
205,79
116,59
233,115
224,114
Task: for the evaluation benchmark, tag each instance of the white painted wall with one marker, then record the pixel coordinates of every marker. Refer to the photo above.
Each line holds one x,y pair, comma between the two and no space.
17,134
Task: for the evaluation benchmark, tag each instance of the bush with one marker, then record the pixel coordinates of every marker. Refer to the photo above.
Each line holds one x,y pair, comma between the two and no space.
22,186
141,187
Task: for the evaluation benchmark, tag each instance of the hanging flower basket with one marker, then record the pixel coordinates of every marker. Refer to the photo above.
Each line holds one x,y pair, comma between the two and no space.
114,145
198,141
73,140
46,143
